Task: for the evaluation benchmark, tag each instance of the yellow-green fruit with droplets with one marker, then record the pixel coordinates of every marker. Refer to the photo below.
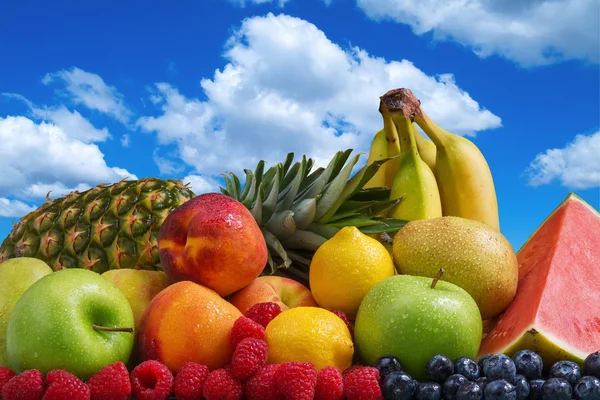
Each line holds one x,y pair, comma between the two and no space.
403,316
474,256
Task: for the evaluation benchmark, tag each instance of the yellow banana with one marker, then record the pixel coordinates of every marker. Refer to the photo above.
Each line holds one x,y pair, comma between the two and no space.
427,150
413,181
393,148
464,178
378,151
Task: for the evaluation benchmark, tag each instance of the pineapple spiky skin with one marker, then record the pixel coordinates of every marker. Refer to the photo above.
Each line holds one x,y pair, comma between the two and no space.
106,227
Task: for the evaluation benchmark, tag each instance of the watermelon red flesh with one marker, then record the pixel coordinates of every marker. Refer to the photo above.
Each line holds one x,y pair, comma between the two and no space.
556,310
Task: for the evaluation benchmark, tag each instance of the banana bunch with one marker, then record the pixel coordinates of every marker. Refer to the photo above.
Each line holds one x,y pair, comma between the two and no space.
447,175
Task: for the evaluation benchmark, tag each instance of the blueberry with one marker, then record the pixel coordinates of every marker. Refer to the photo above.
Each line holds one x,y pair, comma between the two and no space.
438,369
482,381
398,386
466,367
451,386
500,390
567,370
500,366
557,389
387,364
588,388
529,364
535,389
522,387
469,391
483,360
428,391
591,366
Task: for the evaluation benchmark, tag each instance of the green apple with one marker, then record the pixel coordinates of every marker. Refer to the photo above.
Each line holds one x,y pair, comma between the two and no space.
72,319
414,318
16,275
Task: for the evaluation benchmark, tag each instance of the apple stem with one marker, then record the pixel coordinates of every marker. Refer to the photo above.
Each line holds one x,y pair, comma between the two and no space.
437,278
106,328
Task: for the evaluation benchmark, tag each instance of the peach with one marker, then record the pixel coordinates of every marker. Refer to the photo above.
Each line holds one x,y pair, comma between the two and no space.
212,240
286,292
187,322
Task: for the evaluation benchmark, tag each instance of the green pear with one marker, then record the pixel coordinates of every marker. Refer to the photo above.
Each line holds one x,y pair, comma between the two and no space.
139,287
73,319
16,276
415,318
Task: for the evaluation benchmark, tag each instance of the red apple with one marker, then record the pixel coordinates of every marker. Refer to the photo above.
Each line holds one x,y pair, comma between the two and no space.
285,292
214,241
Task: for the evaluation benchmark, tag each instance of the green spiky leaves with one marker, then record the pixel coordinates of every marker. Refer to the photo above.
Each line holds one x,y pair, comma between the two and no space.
299,208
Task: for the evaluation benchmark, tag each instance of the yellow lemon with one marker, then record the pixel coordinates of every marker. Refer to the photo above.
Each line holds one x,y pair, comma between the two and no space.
309,334
345,267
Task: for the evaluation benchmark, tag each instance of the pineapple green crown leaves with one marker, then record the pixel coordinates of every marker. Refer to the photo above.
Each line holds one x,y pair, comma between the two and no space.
299,208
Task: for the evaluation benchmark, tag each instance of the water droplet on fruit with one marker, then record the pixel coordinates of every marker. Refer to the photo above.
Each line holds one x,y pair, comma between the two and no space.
35,355
404,315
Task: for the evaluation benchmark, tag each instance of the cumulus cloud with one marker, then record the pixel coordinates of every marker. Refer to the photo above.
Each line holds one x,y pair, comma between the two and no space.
576,166
201,184
529,32
90,90
243,3
287,87
55,161
71,122
14,208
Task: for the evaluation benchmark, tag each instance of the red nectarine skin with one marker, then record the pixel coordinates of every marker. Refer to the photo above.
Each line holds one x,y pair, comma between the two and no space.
212,240
187,322
285,292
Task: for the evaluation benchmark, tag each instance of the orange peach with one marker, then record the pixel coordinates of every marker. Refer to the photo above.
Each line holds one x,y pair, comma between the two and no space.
285,292
212,240
187,322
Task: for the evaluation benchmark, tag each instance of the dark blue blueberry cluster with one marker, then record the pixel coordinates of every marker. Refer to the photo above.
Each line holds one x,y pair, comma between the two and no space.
493,377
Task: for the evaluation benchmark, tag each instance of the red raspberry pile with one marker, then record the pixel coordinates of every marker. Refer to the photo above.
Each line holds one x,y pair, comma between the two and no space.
247,377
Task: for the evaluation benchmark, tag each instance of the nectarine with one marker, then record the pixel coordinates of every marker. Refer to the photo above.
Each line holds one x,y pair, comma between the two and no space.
212,240
285,292
187,322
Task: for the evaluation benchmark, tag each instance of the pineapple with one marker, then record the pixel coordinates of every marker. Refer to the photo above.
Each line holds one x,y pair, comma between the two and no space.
298,210
106,227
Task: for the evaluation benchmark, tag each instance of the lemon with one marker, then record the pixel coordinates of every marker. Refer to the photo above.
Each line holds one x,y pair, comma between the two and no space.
345,267
309,334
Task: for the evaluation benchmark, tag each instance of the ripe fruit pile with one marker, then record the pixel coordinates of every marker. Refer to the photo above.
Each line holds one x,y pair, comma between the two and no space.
394,282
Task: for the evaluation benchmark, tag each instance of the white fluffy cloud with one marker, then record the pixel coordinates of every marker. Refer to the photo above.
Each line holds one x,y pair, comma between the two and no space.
287,87
13,208
243,3
201,184
577,166
529,32
91,91
54,162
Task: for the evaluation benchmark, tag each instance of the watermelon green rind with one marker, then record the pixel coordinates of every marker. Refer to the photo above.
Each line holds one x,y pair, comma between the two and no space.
556,311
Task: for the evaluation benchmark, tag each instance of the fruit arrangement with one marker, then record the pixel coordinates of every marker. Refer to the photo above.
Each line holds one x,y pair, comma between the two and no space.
390,282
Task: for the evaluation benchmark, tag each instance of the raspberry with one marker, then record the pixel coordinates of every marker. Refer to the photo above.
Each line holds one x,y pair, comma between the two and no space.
330,384
111,383
262,386
351,369
344,318
189,381
151,380
244,327
220,385
249,356
263,313
28,385
362,384
65,385
296,380
5,375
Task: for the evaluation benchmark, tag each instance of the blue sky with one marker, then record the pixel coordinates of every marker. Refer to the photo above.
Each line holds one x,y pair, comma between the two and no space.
190,89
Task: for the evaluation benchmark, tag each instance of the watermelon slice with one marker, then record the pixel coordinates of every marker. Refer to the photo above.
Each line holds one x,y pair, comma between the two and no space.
556,311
